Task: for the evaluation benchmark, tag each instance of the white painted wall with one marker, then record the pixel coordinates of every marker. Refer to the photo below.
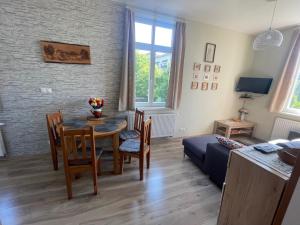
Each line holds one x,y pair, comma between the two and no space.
268,63
199,109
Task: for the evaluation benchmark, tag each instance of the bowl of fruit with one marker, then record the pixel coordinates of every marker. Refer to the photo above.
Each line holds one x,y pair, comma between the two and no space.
97,104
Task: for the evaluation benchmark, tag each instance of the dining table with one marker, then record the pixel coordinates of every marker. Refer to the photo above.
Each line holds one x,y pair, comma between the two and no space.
104,127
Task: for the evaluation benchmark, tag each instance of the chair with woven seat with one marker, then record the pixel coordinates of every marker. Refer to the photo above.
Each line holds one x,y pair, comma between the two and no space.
80,154
138,148
135,133
53,120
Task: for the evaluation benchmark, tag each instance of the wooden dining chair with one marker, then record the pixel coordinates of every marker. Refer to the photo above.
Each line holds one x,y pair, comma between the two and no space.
138,148
53,120
80,154
137,127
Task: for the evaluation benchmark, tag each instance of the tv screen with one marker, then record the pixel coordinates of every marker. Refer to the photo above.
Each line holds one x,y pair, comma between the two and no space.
254,85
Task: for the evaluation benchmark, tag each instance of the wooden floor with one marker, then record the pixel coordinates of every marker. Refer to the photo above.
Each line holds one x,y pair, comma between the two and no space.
173,192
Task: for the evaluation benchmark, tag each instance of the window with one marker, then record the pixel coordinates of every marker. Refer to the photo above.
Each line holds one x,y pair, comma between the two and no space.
153,61
293,103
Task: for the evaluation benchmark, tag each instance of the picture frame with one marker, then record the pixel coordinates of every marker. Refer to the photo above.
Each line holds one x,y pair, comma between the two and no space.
214,86
196,75
197,67
217,69
206,77
215,77
210,50
207,68
204,86
194,85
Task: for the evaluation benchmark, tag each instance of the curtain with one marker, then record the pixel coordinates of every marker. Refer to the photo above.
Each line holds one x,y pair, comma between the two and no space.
176,73
288,76
127,86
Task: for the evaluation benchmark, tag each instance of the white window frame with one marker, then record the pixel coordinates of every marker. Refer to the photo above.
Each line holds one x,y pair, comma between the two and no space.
287,108
153,49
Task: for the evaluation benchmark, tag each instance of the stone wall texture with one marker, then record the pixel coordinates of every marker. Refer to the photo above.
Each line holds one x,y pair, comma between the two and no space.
23,23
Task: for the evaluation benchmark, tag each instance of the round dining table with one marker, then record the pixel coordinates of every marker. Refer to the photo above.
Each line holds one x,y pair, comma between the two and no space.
106,127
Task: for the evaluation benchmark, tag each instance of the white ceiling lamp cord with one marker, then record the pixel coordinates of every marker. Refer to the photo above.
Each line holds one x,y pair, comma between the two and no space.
270,37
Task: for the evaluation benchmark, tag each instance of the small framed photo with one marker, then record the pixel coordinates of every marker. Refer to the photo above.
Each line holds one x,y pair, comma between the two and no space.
206,77
207,68
209,55
197,67
196,75
204,86
214,86
217,69
194,85
215,77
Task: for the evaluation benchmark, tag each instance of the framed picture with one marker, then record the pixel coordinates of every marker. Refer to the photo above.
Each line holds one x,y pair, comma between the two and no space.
204,86
196,75
207,68
194,85
217,69
215,77
206,77
197,67
57,52
214,86
209,55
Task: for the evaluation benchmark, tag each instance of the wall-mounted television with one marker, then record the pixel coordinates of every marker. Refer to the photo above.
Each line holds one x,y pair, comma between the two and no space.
257,85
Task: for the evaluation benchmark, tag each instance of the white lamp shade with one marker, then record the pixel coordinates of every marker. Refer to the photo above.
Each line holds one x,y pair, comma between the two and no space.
269,38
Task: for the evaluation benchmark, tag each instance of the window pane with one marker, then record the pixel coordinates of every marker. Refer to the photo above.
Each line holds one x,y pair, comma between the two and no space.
161,76
163,36
142,73
295,101
143,33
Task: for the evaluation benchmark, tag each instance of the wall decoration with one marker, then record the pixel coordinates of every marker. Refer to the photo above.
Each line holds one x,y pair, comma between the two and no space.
215,77
207,68
214,86
196,75
204,86
197,67
206,77
194,85
217,69
209,55
65,53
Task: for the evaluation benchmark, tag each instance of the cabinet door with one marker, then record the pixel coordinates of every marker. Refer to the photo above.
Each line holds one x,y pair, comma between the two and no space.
251,195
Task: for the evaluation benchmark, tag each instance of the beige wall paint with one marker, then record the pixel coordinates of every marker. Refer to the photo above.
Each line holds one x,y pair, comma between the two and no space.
199,109
268,63
292,215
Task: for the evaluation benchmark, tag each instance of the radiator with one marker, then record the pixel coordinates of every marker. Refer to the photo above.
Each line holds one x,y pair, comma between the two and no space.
163,124
282,127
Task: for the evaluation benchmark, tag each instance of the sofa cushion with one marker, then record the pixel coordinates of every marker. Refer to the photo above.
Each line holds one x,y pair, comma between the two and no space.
228,143
197,145
290,144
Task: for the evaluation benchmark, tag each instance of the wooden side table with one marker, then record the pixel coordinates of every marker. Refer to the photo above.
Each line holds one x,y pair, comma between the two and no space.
228,128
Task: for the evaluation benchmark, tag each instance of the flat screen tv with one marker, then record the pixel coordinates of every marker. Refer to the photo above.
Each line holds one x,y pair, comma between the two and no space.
254,85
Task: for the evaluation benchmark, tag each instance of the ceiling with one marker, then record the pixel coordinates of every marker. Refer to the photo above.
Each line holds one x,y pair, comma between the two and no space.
248,16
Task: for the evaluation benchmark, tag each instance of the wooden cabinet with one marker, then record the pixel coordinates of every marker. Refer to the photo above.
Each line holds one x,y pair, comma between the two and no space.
253,188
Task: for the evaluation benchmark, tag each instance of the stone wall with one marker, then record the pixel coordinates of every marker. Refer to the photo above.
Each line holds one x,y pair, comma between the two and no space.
23,23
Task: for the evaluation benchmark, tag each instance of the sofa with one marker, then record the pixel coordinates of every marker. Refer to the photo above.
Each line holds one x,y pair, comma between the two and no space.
211,157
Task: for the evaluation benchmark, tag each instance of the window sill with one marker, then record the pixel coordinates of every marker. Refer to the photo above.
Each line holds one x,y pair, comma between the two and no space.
156,109
287,113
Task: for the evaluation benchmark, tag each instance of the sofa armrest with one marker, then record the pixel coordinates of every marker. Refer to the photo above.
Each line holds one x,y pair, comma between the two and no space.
216,163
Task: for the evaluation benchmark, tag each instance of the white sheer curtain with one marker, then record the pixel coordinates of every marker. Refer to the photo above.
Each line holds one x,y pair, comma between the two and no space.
127,86
176,73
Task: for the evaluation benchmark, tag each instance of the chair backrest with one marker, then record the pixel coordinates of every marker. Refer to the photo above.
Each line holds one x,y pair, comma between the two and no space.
138,119
53,120
146,133
75,143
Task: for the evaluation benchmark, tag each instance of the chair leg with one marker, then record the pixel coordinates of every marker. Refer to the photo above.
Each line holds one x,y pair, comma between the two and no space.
94,174
121,162
148,160
129,159
141,165
54,159
69,184
99,167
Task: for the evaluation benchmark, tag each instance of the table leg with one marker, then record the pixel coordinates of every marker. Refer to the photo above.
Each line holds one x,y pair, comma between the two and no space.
116,153
228,132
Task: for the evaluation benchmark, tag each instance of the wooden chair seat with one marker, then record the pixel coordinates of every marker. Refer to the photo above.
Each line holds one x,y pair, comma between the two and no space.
129,134
130,145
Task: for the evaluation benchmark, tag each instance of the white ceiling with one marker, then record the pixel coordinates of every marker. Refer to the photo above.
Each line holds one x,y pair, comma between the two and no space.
249,16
